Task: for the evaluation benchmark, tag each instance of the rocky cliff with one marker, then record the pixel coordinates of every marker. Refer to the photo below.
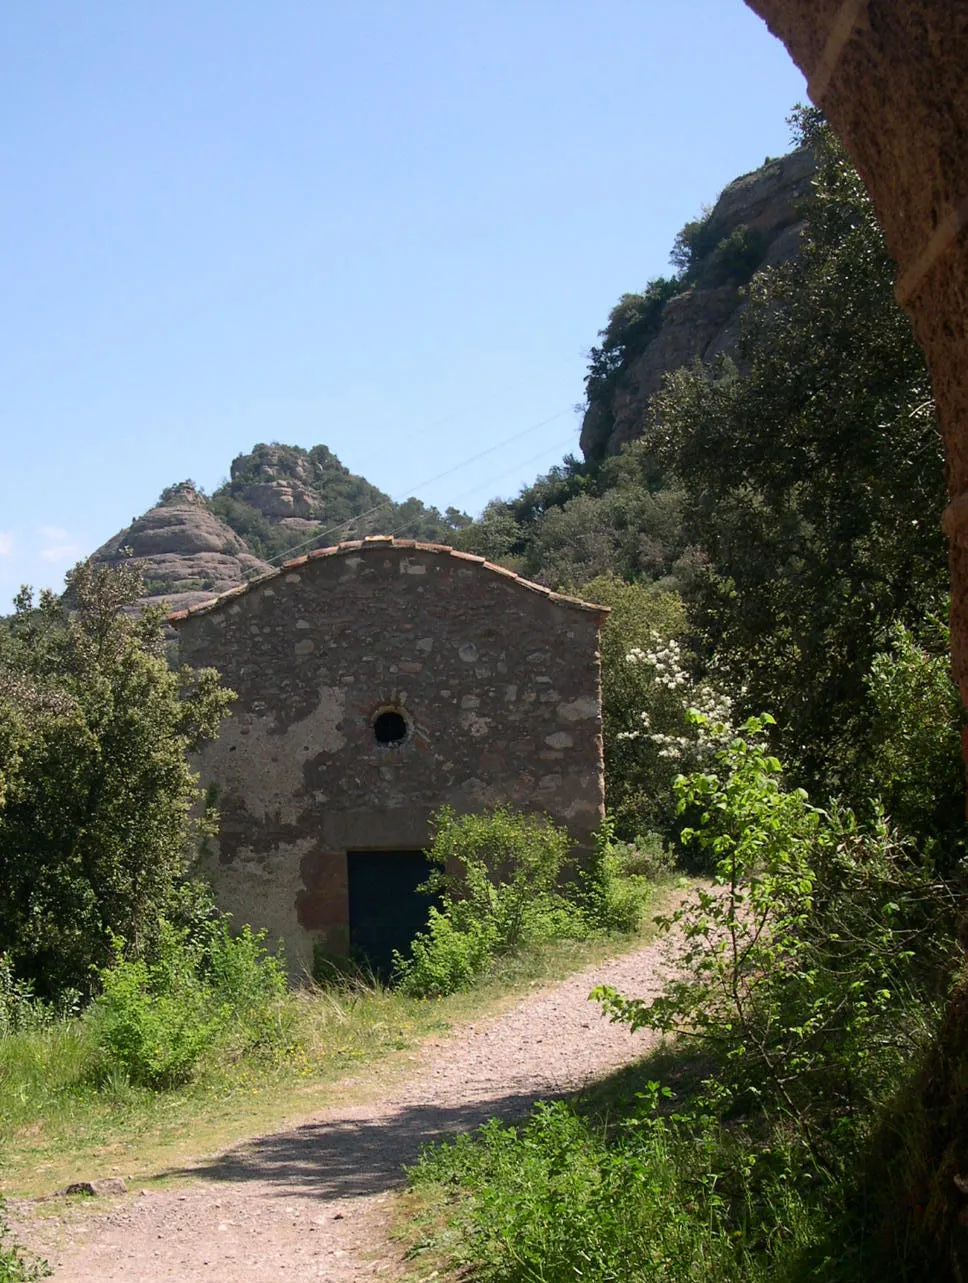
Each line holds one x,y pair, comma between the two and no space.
755,223
297,493
278,499
188,555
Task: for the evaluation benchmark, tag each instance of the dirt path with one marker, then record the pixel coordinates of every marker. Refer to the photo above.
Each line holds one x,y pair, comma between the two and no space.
312,1203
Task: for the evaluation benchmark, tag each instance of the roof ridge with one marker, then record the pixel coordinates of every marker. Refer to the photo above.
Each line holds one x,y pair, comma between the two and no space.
385,541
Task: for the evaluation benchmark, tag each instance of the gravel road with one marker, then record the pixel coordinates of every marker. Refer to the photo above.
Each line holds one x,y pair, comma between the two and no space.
313,1202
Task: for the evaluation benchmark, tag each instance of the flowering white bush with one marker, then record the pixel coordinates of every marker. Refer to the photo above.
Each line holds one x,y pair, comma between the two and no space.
686,720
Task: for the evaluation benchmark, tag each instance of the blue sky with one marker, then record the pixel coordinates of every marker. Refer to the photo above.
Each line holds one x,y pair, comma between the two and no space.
393,226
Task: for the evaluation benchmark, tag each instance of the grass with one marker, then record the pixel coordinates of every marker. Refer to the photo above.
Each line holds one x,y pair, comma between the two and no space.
430,1215
604,1186
63,1119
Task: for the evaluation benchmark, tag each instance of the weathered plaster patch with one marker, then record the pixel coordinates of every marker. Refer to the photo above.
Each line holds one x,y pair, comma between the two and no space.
264,773
262,890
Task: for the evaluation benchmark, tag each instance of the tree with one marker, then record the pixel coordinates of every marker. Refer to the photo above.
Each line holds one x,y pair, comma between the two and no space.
814,480
495,534
627,521
579,520
641,707
915,765
100,818
633,323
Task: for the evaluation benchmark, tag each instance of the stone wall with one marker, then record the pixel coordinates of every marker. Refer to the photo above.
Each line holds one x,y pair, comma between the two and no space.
497,681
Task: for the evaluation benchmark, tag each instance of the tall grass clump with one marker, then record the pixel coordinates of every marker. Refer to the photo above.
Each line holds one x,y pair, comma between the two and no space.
21,1011
506,882
154,1020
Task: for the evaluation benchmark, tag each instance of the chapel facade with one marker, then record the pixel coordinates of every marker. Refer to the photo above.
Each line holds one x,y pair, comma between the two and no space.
378,681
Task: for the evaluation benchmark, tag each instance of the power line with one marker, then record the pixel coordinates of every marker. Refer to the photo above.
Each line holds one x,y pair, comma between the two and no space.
510,471
389,503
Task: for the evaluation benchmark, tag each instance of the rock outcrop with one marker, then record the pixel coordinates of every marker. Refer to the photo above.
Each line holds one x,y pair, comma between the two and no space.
187,554
300,490
754,224
279,500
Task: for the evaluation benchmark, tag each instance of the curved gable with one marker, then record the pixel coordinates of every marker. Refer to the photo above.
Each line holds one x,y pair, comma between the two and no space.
381,543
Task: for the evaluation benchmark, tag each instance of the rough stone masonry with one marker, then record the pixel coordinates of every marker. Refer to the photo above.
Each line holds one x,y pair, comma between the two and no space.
378,681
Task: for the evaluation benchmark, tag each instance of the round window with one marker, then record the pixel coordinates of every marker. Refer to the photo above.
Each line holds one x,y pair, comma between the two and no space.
390,727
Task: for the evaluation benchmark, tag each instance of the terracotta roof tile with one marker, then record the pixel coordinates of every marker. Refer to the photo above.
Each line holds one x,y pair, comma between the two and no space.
378,541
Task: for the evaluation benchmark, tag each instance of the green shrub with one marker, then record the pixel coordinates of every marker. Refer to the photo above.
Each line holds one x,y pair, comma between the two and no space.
736,257
502,865
812,964
646,855
445,958
915,764
238,968
558,1199
154,1021
248,986
610,898
498,875
507,883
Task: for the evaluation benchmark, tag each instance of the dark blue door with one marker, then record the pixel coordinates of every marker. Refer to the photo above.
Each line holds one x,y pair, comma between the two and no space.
386,909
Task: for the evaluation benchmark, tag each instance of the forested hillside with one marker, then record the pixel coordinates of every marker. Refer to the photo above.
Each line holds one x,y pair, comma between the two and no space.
625,518
788,489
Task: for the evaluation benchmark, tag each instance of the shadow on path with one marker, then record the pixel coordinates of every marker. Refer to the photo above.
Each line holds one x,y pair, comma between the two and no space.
342,1157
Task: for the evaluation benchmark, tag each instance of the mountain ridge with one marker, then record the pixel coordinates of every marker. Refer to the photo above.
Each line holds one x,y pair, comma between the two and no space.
754,224
277,498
